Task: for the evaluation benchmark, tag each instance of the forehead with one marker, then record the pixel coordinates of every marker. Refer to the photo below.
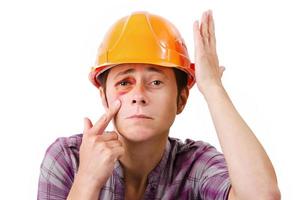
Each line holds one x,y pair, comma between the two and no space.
124,69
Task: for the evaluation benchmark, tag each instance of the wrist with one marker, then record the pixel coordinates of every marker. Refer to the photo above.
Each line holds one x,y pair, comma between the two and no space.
88,181
84,188
213,90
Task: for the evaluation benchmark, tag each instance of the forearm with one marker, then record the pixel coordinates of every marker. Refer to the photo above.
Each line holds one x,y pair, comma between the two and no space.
84,189
250,169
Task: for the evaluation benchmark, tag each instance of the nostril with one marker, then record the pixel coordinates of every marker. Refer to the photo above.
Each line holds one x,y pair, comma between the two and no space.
141,101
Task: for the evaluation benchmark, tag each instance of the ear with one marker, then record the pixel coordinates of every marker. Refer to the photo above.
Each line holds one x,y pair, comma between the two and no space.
103,98
182,99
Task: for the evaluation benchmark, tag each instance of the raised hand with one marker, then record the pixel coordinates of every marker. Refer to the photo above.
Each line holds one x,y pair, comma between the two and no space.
208,72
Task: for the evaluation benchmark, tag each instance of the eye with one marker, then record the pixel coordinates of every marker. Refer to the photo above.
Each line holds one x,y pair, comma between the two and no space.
123,83
156,82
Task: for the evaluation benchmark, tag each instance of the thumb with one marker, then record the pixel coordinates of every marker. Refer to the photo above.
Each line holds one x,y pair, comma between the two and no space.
87,124
222,69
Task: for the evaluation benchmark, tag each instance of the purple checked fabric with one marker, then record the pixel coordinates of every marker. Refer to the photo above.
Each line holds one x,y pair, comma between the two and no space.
187,170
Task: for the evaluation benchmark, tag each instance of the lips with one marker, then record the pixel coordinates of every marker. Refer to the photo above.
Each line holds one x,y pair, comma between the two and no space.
140,116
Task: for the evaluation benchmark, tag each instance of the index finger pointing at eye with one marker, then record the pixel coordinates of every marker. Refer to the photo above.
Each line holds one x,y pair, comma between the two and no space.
103,122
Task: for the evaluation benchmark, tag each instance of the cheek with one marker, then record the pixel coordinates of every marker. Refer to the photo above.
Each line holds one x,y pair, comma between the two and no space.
170,104
120,94
112,96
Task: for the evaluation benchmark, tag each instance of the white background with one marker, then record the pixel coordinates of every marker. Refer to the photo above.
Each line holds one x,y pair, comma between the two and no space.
47,48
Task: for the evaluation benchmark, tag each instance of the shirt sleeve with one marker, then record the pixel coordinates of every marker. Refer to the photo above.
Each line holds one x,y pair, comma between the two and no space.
214,182
56,172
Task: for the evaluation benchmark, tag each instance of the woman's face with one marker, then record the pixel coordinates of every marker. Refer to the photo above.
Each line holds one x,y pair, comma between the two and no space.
148,100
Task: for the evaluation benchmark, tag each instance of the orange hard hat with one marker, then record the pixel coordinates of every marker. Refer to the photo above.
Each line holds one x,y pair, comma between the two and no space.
143,38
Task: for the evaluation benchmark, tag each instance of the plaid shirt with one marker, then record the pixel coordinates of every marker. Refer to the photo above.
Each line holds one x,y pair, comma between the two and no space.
189,170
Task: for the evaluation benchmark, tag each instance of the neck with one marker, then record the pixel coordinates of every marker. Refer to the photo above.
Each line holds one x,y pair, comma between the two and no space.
140,159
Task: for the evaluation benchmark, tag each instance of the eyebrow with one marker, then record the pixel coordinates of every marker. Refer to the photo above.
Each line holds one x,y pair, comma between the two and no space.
149,69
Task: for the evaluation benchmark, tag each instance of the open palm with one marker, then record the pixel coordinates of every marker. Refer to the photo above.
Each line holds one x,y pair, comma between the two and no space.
208,72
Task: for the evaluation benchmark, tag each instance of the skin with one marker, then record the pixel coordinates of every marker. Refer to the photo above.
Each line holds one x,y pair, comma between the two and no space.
238,142
152,91
134,139
140,89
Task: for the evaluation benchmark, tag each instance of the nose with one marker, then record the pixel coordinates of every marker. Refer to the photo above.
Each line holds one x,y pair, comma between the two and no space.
139,96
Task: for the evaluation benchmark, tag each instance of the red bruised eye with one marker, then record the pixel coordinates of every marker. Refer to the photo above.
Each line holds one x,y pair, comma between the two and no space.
124,82
124,86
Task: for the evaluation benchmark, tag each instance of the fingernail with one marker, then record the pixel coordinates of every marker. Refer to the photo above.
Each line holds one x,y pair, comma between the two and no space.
117,103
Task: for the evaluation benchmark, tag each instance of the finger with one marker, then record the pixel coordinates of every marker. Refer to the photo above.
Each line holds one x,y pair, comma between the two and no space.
87,124
204,26
114,143
211,28
102,123
107,137
118,152
198,43
197,36
109,132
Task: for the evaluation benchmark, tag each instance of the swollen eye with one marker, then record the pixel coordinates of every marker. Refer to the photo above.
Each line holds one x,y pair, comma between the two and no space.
123,83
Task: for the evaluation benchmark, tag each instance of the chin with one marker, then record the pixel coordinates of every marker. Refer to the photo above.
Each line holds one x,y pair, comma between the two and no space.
138,134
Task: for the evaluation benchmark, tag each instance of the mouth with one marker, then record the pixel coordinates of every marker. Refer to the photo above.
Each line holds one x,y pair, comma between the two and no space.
139,117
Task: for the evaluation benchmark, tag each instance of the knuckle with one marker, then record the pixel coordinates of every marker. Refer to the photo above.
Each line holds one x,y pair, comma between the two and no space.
108,154
93,139
122,151
87,132
102,146
114,135
104,118
89,138
119,143
116,144
111,136
108,116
